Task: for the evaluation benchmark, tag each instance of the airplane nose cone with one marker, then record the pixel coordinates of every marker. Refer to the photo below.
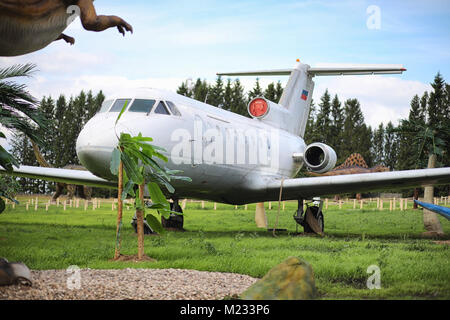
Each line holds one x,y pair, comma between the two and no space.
95,144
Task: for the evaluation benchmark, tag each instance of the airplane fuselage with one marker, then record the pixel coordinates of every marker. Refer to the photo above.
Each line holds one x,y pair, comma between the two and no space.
222,152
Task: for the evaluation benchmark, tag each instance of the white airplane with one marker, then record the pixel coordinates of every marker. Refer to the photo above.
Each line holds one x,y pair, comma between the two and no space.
231,158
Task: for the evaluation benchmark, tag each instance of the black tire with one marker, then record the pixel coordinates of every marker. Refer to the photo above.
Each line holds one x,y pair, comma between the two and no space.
318,216
175,221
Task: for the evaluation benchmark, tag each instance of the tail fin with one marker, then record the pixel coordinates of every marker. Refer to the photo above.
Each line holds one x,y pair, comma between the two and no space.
298,93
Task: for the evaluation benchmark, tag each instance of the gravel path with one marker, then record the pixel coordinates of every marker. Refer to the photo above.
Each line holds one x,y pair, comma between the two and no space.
157,284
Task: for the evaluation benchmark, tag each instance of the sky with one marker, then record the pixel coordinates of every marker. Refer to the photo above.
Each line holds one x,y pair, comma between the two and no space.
177,40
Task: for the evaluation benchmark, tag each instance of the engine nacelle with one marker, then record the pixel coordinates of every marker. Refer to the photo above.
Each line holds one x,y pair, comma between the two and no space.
268,112
319,157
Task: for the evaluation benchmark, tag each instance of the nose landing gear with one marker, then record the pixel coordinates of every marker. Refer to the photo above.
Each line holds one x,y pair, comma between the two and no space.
312,219
175,221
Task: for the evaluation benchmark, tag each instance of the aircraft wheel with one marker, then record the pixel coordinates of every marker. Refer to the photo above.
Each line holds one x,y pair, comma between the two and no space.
175,221
147,228
314,222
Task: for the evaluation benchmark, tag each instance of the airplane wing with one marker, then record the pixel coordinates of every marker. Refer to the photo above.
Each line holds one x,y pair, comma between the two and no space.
319,186
69,176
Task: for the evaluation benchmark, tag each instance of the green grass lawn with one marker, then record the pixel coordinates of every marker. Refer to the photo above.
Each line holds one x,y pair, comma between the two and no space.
227,240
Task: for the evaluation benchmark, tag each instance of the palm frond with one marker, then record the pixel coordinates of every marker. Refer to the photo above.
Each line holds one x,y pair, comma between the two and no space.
17,70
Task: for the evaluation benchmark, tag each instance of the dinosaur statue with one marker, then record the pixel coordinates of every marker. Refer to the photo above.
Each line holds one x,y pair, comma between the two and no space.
30,25
84,192
352,165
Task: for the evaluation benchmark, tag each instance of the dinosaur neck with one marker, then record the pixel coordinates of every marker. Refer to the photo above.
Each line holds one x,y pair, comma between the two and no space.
39,157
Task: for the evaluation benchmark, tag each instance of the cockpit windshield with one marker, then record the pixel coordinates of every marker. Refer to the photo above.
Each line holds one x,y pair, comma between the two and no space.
106,105
118,105
147,106
173,109
142,105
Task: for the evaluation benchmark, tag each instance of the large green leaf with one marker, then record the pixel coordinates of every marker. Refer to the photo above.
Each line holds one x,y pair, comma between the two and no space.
132,169
128,190
154,223
156,194
115,162
122,111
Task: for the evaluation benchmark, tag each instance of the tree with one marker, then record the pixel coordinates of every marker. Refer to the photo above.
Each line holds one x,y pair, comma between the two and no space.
390,147
216,94
430,139
337,126
228,96
310,130
184,90
18,112
323,122
59,148
436,102
200,91
238,101
356,136
133,161
378,145
278,92
270,92
256,91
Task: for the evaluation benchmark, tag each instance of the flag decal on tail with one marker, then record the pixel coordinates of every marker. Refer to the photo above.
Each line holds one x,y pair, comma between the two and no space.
304,95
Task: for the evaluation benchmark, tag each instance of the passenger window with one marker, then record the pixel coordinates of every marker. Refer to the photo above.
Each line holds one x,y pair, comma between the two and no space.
106,105
161,109
142,105
118,105
173,109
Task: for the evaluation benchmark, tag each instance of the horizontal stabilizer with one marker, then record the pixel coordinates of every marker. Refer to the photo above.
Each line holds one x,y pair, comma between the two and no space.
326,71
358,70
277,72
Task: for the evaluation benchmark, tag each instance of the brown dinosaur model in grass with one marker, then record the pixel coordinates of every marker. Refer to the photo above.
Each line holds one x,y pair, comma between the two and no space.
84,192
30,25
354,164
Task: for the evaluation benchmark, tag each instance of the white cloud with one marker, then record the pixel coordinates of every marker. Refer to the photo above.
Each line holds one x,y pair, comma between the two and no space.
57,58
382,98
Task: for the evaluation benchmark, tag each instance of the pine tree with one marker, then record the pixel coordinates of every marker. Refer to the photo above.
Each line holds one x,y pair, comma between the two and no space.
355,131
200,90
310,130
337,125
184,90
227,96
278,92
436,102
365,145
415,113
58,138
256,91
323,122
216,94
390,147
378,145
424,106
270,92
238,101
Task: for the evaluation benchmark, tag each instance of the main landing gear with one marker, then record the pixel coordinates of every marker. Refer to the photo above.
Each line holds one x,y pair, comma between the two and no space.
312,219
175,221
